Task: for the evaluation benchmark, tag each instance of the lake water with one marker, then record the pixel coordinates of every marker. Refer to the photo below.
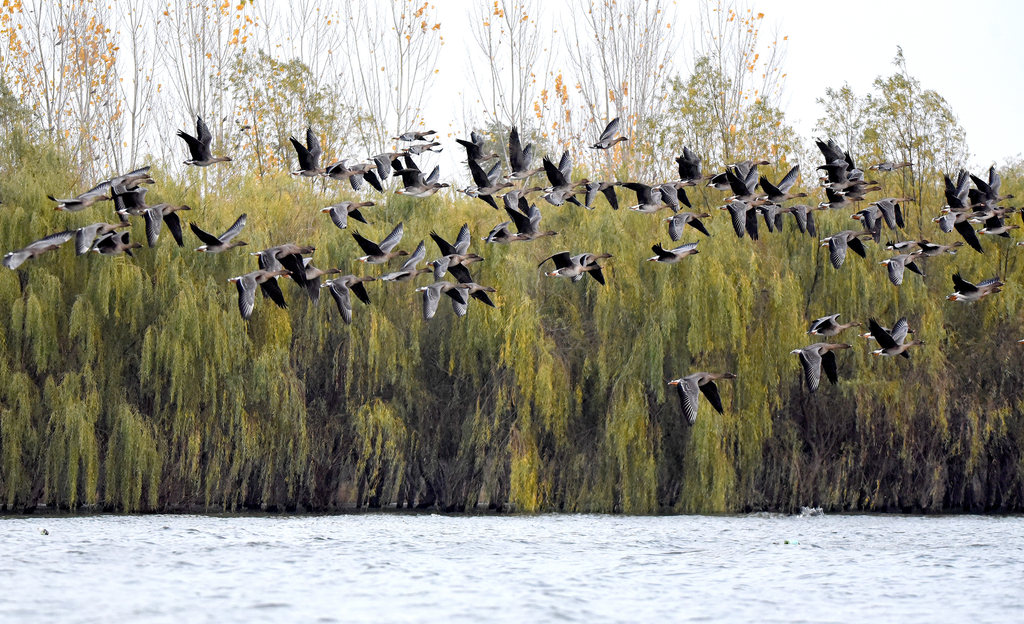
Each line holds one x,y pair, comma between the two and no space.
429,568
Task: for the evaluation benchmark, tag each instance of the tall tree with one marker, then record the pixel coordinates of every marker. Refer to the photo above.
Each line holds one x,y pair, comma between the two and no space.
394,45
620,53
508,37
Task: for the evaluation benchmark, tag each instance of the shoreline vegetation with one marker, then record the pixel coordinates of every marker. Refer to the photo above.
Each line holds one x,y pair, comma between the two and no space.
131,384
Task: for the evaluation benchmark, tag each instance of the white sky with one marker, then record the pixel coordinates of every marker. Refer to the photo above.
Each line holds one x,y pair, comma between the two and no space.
970,53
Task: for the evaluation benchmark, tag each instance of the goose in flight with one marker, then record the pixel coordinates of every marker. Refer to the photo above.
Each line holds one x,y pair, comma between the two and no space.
341,212
839,242
519,157
966,291
432,295
608,139
199,146
829,326
413,136
409,270
574,267
899,331
96,194
247,284
672,256
156,216
114,244
526,217
217,244
888,344
85,236
690,385
776,194
415,185
890,166
340,287
817,356
898,263
689,166
678,222
308,155
14,259
475,148
379,253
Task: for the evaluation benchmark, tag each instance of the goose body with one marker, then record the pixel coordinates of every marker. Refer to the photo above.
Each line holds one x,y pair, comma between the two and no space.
689,386
217,244
199,146
818,356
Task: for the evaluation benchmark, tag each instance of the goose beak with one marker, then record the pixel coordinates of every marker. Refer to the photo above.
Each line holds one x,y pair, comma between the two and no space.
674,382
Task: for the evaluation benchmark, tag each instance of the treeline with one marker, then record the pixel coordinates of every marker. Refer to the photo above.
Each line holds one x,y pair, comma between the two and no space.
133,384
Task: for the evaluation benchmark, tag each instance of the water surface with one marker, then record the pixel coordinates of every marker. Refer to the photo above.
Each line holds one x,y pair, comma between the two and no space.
427,568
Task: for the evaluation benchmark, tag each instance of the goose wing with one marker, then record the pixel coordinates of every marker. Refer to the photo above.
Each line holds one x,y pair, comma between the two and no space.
443,246
431,296
521,221
369,247
561,259
392,239
416,257
204,236
313,144
462,240
609,131
789,179
965,230
687,389
272,290
710,390
359,289
961,285
84,236
231,232
516,158
900,329
341,298
895,266
479,175
195,148
810,360
305,159
555,176
246,295
884,338
828,364
837,250
565,166
154,221
737,211
174,225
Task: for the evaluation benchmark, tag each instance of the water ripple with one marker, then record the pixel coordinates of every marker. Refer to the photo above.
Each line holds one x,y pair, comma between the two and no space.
571,568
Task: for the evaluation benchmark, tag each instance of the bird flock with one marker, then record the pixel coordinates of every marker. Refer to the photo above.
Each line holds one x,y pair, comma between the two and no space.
750,195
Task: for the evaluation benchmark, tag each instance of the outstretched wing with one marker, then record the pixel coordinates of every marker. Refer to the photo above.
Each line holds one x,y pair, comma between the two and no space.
341,297
710,390
811,363
392,239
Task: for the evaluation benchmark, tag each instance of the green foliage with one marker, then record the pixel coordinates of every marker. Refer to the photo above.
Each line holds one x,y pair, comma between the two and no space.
133,384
